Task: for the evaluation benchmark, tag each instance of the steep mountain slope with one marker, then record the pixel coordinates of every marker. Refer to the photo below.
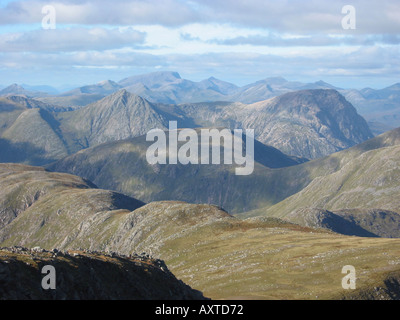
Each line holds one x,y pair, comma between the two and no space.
311,124
326,121
363,187
308,123
30,103
381,107
222,256
369,181
82,275
34,137
118,116
122,166
29,132
9,112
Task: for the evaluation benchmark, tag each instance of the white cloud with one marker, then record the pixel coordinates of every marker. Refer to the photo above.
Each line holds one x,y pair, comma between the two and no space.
312,16
117,12
70,39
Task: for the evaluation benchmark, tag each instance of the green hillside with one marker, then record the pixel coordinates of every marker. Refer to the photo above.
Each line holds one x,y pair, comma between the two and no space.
224,257
365,180
122,166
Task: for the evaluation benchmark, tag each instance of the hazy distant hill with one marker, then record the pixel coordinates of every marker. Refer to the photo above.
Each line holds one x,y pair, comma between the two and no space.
105,88
380,107
168,87
16,89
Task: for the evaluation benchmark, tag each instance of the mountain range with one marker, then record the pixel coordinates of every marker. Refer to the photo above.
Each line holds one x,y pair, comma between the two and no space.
379,106
75,181
326,121
280,187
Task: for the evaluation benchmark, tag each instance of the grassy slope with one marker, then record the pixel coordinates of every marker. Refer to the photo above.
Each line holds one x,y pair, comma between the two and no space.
9,112
122,166
370,181
360,177
204,246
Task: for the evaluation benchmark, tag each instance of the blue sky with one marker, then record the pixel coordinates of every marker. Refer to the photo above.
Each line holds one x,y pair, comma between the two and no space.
234,40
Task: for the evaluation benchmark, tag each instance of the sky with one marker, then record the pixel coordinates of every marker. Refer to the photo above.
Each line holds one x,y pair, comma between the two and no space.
68,43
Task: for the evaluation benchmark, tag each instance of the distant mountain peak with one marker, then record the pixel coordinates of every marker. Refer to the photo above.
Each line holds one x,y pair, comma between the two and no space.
122,96
321,83
325,84
275,80
123,93
105,82
151,80
14,87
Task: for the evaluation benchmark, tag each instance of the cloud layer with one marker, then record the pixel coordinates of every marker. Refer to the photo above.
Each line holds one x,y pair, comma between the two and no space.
283,16
238,40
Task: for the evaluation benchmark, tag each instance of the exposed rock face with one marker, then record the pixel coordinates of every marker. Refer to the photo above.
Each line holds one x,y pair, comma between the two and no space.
311,123
308,123
119,116
86,275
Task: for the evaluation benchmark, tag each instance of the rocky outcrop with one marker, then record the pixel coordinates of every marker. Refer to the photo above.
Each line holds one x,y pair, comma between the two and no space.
88,275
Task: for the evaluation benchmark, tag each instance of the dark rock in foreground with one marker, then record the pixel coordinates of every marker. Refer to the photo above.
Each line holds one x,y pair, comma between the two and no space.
83,275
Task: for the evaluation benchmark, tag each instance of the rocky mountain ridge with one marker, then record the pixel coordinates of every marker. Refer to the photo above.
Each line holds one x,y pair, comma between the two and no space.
88,275
326,121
